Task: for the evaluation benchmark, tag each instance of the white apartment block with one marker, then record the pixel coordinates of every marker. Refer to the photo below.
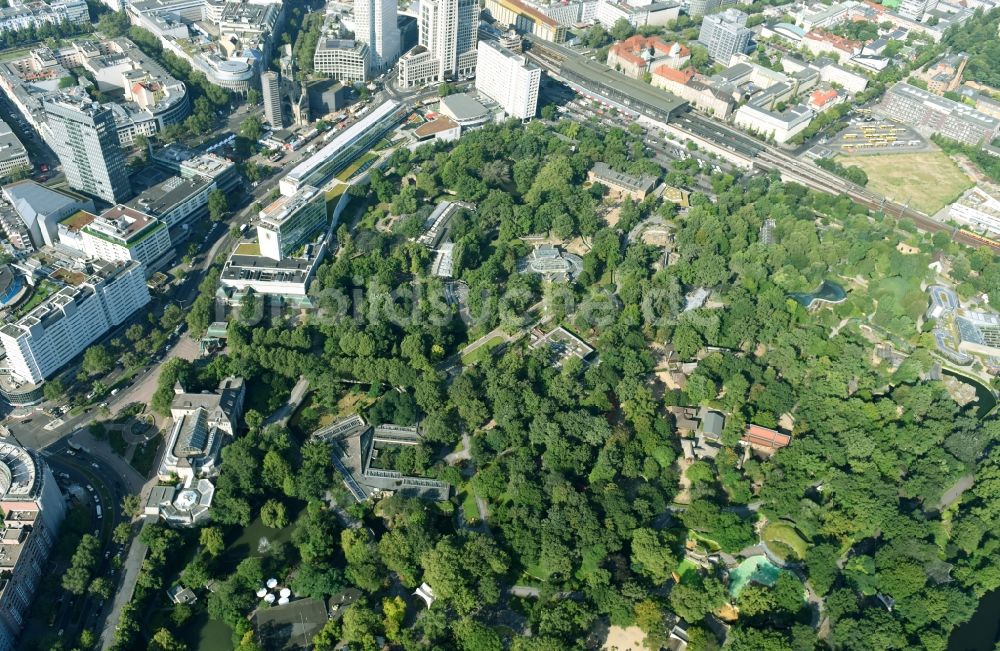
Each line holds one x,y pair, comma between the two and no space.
123,234
22,15
49,336
508,79
572,13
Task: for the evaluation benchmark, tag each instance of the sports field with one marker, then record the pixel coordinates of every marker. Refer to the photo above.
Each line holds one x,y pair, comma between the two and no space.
926,181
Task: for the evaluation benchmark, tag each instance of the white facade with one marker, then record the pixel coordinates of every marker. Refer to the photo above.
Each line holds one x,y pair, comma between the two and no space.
915,9
725,34
780,126
85,139
508,79
13,155
375,24
446,47
290,222
342,59
58,330
123,234
979,210
22,15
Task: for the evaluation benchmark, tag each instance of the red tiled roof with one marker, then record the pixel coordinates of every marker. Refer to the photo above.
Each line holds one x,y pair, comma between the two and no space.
839,42
679,76
765,437
822,97
631,48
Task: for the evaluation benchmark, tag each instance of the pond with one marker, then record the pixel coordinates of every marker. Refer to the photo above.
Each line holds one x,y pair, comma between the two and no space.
757,569
981,632
205,634
828,291
986,400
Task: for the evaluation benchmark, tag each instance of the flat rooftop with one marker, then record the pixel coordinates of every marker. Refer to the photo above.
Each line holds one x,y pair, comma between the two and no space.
281,209
78,220
630,91
163,197
341,142
464,107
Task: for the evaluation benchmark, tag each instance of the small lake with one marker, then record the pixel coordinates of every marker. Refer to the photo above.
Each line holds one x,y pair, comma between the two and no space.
981,632
828,291
205,634
986,401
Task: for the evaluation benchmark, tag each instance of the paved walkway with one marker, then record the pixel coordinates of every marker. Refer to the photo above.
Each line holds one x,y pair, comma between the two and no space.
129,577
283,413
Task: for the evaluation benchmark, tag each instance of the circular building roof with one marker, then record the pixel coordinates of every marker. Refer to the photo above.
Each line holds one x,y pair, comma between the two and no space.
11,286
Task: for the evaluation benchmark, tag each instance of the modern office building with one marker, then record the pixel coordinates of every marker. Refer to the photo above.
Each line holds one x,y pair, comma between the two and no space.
65,323
176,201
123,234
146,97
375,24
509,79
342,59
13,155
85,139
725,34
447,43
236,46
190,164
291,222
704,7
335,156
933,114
33,509
270,86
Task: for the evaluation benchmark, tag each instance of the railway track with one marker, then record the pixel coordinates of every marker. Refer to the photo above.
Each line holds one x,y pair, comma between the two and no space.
551,57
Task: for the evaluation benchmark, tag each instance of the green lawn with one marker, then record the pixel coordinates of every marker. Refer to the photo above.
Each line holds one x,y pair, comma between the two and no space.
145,456
469,509
687,570
926,181
355,166
783,540
482,352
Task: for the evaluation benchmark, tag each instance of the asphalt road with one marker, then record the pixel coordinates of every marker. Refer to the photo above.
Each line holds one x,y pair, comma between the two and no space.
98,484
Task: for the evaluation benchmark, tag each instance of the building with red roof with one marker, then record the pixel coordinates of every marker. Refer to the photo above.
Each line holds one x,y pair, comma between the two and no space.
765,439
635,56
820,41
822,99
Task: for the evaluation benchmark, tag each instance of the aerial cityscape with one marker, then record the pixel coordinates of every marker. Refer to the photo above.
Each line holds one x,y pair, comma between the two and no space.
500,325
